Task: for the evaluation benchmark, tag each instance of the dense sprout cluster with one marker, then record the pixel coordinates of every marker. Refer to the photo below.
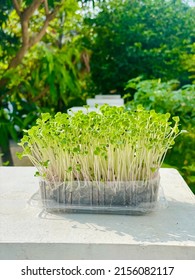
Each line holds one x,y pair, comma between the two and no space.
113,144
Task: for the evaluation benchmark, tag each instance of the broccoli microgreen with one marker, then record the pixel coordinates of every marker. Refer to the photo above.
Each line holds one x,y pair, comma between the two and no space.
111,145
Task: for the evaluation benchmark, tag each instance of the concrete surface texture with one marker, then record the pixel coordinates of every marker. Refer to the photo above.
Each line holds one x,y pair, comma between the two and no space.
100,101
108,96
28,232
75,109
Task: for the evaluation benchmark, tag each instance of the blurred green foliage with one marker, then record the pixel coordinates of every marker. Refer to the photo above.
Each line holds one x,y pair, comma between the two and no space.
48,77
132,38
121,40
180,101
189,62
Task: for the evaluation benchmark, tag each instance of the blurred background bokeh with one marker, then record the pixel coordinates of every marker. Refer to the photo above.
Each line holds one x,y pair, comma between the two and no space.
56,54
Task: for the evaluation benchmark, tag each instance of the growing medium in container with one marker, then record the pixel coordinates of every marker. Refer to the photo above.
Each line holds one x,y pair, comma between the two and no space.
101,161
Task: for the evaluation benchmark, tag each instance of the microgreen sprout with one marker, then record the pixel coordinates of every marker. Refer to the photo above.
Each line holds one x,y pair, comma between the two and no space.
111,145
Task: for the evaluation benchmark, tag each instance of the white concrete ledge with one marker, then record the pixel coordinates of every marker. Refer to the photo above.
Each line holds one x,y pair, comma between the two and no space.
112,102
27,232
75,109
108,96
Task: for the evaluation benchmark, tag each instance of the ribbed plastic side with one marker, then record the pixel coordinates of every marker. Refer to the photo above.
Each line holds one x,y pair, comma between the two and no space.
136,197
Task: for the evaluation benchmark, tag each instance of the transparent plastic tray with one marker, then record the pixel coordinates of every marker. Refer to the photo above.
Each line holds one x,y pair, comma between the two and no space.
128,198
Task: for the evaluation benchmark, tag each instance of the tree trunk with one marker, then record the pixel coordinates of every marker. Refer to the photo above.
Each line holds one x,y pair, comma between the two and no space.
18,58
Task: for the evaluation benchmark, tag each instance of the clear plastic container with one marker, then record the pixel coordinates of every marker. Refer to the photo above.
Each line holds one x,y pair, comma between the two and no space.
130,198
